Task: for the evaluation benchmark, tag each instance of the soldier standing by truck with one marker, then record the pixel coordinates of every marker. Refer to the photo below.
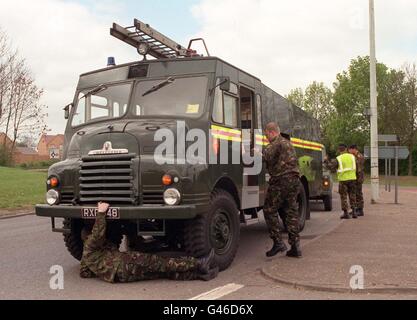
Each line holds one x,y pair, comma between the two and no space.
360,173
345,165
103,259
284,185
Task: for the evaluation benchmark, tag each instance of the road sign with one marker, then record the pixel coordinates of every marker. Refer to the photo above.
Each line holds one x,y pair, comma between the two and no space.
389,153
387,138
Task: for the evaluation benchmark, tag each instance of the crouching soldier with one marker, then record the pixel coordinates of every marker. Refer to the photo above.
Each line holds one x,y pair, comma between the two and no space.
102,259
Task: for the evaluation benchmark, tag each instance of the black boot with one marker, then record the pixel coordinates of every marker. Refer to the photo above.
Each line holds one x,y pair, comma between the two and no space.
278,247
212,274
207,263
361,213
295,251
346,216
354,214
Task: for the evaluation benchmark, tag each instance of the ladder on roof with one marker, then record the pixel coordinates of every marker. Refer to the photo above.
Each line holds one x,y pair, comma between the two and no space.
160,46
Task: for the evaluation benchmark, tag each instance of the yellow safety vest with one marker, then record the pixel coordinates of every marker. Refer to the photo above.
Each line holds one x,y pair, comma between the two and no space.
347,167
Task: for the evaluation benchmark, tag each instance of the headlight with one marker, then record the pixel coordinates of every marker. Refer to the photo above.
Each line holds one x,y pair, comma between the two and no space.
172,197
52,197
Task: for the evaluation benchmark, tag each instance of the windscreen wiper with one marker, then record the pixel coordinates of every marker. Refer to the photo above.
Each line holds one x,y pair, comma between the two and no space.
167,82
94,91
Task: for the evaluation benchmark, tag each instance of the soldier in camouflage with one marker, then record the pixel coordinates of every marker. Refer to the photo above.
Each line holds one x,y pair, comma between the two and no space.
347,189
102,259
284,185
360,174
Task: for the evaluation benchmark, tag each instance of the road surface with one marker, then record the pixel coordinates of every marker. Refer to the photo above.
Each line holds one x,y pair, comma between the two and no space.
29,249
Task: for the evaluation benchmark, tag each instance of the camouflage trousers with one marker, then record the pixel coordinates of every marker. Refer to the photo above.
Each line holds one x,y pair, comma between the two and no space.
360,203
137,266
283,193
347,189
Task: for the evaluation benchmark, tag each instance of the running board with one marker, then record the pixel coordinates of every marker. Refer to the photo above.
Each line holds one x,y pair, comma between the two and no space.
249,220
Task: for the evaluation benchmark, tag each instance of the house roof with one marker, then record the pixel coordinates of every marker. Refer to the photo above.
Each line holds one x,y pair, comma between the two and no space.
8,140
26,150
57,139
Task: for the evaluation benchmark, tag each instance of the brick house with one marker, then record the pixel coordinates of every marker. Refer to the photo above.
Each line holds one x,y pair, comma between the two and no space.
27,155
21,154
9,142
51,146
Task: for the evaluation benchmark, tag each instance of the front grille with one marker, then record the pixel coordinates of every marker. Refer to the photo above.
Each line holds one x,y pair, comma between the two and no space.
67,197
107,178
152,195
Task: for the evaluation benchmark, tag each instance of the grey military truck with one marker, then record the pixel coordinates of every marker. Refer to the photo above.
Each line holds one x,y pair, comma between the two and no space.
110,146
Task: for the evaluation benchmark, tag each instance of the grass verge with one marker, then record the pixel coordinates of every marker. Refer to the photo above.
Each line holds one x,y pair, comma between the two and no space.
21,188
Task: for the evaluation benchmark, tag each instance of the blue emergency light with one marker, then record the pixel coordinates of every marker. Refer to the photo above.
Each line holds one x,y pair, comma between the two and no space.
111,61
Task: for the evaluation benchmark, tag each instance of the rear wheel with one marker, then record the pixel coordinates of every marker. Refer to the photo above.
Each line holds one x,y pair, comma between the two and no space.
328,202
303,210
218,229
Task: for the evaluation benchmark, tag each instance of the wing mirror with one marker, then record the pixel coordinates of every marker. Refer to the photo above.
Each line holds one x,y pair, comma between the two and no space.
224,84
67,111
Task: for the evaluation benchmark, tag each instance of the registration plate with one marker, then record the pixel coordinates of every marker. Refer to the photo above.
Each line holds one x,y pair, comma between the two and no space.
91,213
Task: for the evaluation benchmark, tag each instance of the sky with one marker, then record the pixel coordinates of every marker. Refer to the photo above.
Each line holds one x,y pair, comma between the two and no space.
287,44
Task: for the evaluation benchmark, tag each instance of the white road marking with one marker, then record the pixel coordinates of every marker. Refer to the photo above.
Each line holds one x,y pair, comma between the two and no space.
219,292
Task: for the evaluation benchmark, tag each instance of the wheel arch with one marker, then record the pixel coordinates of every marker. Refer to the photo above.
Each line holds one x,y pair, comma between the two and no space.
226,184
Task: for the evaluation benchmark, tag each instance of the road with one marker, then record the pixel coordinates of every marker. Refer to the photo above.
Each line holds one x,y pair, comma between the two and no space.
29,249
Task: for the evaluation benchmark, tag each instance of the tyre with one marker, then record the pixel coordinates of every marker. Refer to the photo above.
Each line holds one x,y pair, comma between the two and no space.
72,239
328,203
303,210
218,229
74,242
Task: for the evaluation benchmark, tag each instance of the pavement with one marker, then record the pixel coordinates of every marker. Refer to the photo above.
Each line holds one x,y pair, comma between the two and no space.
19,212
382,243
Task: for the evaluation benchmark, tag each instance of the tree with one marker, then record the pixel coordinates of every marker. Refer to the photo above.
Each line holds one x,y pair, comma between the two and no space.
296,96
21,112
352,98
317,100
399,112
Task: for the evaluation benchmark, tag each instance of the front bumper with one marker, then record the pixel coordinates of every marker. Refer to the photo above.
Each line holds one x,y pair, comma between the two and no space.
184,212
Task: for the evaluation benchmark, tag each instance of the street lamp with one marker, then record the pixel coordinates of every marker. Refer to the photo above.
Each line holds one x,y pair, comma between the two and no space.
374,107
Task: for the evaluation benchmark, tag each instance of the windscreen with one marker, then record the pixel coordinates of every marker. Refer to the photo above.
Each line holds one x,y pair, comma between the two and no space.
106,103
173,96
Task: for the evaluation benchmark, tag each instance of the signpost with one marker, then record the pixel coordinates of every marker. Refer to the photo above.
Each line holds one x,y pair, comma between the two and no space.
391,153
387,138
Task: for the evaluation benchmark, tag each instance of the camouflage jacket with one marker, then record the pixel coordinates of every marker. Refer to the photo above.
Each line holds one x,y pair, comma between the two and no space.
280,158
331,165
360,167
100,258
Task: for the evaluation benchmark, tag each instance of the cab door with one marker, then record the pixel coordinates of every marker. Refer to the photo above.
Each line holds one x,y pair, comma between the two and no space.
248,124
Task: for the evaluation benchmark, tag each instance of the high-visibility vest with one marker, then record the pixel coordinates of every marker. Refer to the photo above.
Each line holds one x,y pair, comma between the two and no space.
347,167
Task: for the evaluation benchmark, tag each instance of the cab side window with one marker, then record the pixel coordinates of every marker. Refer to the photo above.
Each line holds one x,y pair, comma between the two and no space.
218,107
230,110
225,110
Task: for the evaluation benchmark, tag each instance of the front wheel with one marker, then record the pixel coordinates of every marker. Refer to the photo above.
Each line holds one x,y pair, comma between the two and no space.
218,229
73,239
